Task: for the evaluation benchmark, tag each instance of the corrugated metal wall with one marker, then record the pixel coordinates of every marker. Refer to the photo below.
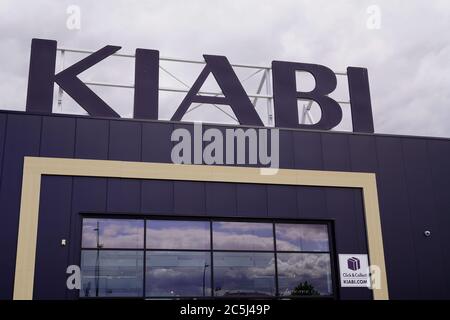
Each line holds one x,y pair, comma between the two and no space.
413,177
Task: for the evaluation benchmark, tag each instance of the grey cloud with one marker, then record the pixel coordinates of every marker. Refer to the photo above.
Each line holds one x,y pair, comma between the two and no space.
408,58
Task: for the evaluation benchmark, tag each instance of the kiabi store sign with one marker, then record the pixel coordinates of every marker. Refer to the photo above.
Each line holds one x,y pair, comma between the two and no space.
146,87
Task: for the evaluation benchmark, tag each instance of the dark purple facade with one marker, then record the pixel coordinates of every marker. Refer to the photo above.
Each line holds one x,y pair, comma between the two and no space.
413,177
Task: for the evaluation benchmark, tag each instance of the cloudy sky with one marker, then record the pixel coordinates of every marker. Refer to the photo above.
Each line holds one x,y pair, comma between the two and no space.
408,56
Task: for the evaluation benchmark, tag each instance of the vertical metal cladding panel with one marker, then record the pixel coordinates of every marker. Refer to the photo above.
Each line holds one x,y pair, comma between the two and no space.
3,120
125,140
311,202
363,153
429,250
282,201
124,196
350,226
336,152
307,147
251,200
58,137
156,143
54,225
88,195
92,139
157,197
287,157
349,231
3,127
399,250
22,139
307,150
439,159
58,140
220,199
189,198
363,158
341,201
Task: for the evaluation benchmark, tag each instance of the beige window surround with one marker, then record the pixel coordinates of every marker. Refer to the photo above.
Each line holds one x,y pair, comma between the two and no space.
35,167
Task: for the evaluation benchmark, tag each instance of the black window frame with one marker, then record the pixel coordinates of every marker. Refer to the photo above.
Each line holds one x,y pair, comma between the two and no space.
130,216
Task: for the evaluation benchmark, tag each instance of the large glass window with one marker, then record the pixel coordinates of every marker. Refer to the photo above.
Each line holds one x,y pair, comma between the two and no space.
304,274
242,236
244,274
173,234
167,258
111,273
301,237
178,274
113,233
303,259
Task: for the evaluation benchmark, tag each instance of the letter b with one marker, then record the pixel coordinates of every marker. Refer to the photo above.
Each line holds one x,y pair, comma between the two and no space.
285,95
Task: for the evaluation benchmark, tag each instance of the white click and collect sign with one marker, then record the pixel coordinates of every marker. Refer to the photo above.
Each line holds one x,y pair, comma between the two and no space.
354,270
